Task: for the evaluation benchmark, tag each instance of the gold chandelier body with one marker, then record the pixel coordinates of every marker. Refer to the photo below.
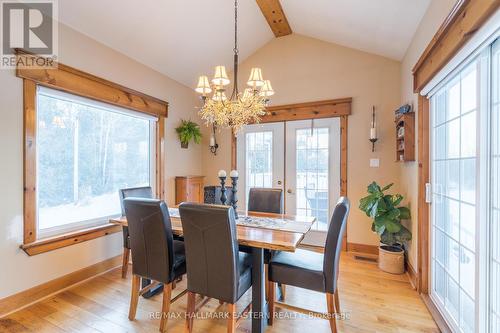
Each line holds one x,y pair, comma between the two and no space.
239,109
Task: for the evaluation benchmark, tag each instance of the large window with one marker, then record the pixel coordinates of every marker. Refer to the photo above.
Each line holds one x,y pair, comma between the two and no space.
86,152
465,255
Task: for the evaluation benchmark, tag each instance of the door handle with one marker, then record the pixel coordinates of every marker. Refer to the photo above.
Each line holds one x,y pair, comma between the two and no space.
289,191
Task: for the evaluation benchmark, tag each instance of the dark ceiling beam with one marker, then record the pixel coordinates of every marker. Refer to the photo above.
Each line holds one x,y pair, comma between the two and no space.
275,16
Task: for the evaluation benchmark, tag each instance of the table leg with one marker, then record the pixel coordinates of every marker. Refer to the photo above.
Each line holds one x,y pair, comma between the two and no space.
156,290
259,305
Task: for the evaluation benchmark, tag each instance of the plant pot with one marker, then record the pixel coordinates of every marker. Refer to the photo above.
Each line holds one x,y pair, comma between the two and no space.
391,259
184,145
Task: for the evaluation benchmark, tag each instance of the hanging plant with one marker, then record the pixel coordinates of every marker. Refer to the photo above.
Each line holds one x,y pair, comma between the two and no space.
187,131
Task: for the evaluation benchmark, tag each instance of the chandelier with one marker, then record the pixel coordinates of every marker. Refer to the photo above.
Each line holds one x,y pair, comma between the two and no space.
240,108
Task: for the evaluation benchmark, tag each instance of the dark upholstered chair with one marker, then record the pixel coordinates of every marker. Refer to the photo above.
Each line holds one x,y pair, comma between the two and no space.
266,200
215,267
313,271
138,192
155,254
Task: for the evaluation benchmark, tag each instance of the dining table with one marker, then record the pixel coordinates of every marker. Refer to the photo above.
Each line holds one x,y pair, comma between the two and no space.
260,231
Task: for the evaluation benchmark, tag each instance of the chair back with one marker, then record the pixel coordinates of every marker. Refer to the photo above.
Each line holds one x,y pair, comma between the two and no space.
211,250
151,239
136,192
333,246
266,200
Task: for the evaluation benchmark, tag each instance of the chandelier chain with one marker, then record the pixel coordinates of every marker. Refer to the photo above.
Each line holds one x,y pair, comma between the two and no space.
234,93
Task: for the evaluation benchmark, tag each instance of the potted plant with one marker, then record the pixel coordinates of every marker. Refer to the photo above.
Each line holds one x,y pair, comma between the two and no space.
188,131
386,214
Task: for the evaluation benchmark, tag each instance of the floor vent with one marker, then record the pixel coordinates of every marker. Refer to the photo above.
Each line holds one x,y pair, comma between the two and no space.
363,258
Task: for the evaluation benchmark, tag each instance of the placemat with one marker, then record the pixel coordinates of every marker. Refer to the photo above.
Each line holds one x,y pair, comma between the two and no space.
263,222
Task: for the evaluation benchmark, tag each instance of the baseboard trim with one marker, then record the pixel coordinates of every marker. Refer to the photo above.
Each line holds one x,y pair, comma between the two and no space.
436,315
30,296
362,248
412,275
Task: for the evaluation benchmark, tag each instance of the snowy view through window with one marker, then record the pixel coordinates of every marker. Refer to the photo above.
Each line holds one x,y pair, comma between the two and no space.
85,154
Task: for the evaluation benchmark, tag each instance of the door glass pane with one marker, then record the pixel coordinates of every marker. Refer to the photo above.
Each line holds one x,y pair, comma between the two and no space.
259,162
454,162
495,194
312,174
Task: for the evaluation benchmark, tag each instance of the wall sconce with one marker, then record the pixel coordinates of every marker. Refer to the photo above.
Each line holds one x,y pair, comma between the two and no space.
373,130
213,142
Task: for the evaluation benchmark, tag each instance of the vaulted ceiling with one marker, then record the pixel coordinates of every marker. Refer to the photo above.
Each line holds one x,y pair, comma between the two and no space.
185,38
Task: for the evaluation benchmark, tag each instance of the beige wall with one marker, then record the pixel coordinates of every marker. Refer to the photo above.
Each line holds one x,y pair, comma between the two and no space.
20,272
432,20
304,69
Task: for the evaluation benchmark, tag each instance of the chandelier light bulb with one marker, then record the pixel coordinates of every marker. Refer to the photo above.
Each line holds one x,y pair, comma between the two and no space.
203,86
247,94
267,89
219,96
255,80
220,76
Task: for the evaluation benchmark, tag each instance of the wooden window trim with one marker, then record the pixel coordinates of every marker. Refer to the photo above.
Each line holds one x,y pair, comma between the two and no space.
311,110
76,82
464,20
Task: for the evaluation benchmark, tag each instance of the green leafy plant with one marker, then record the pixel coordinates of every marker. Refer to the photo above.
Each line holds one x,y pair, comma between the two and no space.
188,131
383,209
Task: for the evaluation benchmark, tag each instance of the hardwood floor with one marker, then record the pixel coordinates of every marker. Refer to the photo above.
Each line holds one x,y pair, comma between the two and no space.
374,302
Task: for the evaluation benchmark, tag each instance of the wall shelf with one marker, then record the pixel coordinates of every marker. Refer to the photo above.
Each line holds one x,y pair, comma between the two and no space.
405,137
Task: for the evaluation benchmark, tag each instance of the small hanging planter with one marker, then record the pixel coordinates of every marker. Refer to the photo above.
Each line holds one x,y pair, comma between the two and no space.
188,131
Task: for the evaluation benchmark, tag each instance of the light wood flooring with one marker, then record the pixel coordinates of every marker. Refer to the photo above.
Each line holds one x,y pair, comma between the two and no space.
374,301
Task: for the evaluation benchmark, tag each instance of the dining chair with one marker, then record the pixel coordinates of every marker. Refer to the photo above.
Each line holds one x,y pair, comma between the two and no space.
215,267
266,200
138,192
156,255
311,270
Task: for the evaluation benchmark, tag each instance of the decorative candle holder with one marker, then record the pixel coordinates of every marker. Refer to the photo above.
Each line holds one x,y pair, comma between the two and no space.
234,189
223,197
373,130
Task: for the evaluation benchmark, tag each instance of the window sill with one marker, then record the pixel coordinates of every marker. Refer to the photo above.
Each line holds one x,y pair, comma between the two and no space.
75,237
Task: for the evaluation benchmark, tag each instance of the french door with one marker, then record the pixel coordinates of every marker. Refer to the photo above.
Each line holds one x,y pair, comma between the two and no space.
313,168
260,158
465,203
300,157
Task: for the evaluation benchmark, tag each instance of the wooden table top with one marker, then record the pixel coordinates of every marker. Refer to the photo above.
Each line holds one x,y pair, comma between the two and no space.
254,236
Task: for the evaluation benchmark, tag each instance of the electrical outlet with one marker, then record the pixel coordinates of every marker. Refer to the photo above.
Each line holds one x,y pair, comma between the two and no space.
374,162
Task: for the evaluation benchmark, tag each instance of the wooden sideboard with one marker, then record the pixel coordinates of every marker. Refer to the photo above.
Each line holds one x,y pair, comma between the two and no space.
188,188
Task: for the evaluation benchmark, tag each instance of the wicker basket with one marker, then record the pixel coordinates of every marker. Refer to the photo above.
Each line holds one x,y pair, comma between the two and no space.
391,259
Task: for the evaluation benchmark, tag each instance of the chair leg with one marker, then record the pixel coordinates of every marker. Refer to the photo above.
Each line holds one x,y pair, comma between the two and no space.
282,291
331,312
165,308
337,301
190,312
231,321
134,297
272,296
266,272
125,258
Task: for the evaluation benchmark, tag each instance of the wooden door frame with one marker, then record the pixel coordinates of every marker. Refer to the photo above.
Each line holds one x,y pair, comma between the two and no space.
311,110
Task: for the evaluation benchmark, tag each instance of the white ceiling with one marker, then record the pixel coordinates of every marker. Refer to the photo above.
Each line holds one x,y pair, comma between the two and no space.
384,27
185,38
